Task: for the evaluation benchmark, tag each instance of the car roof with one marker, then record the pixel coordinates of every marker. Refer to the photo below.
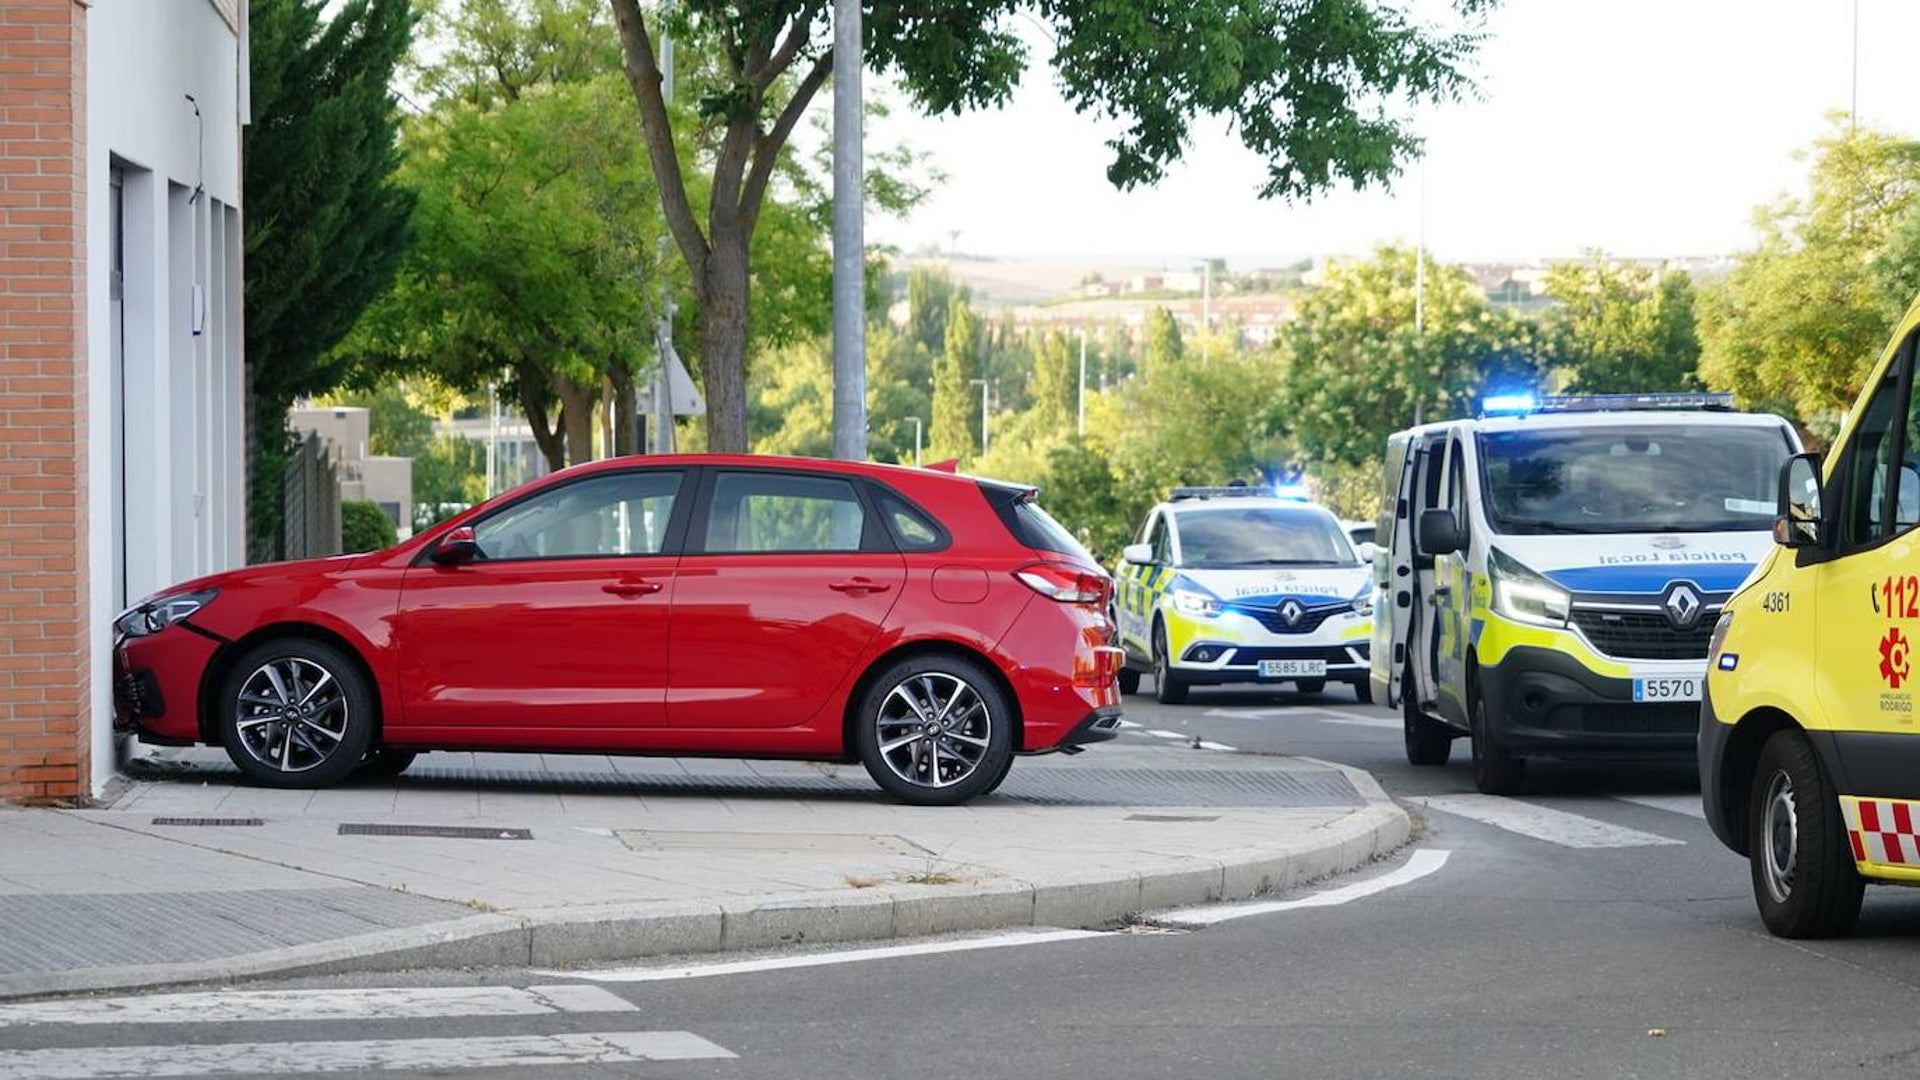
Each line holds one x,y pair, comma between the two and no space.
875,469
1622,418
1185,507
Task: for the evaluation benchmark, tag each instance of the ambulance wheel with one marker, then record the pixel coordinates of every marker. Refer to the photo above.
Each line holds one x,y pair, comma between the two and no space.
1803,873
1129,681
1496,771
1429,742
1168,688
1363,691
1310,686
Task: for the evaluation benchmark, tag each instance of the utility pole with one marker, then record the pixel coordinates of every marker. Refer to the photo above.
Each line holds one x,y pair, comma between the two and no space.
1420,279
986,397
849,242
662,404
1080,423
915,421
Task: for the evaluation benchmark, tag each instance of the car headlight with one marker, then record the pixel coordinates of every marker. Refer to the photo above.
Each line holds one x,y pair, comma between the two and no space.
1524,596
157,614
1363,603
1188,602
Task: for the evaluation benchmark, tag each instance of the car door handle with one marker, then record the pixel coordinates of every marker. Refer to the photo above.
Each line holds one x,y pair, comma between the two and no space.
859,586
630,589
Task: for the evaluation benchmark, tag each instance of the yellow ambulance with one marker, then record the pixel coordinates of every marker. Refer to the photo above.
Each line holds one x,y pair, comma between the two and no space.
1809,743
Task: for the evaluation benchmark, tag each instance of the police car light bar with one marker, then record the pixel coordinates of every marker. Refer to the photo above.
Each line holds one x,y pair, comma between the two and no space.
1237,491
1509,405
1636,402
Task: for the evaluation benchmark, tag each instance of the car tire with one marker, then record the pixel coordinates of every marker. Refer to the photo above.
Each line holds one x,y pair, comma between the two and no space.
1429,742
1310,686
895,739
1129,681
1005,768
385,763
1804,878
1363,691
1168,687
296,713
1496,770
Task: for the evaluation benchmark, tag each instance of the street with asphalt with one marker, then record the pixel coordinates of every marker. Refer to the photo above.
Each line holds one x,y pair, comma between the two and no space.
1588,927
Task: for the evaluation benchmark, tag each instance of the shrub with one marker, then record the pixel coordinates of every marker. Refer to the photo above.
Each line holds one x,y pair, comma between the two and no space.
365,527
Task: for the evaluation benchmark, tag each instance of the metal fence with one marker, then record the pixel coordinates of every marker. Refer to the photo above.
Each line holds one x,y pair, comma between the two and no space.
309,503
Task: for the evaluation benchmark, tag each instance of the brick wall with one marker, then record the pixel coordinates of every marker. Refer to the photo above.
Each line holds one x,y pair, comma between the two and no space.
44,723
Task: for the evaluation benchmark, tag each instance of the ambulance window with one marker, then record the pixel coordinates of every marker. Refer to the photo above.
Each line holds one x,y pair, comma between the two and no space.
1863,518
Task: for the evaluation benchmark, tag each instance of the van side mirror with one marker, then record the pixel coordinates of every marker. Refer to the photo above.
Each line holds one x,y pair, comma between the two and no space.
1799,522
1138,554
456,547
1440,533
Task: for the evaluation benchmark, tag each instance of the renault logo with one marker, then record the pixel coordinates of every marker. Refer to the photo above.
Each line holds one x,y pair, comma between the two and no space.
1291,611
1682,605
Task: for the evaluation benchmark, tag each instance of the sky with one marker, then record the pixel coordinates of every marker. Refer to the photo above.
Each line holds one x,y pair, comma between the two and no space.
1638,127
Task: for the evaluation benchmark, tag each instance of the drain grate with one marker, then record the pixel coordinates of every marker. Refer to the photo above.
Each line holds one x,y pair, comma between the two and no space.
439,832
1173,817
220,821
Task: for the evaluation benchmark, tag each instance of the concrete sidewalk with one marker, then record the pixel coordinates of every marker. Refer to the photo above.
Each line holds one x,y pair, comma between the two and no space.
494,859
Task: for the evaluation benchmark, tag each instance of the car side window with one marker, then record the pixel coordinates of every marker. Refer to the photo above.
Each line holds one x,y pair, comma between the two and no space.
1457,483
1870,456
1162,541
600,517
912,529
762,512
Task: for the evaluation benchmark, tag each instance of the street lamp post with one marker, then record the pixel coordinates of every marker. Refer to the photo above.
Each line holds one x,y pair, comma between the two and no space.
986,397
849,243
915,421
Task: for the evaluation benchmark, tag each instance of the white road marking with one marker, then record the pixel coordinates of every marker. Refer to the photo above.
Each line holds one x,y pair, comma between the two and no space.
257,1006
372,1055
1160,733
1672,804
1324,716
848,956
1423,862
1205,745
1130,724
1542,823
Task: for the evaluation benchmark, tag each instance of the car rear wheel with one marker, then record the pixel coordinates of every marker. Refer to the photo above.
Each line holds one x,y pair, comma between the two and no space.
1429,742
1496,770
935,731
1129,681
1168,688
1804,877
385,763
296,713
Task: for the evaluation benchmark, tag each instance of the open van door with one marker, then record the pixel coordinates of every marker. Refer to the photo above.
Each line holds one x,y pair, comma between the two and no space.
1393,610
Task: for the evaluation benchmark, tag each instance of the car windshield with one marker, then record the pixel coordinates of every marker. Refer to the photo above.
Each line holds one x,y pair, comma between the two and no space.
1262,536
1633,478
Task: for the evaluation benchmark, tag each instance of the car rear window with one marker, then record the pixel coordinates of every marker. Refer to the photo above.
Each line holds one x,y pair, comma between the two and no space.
1030,525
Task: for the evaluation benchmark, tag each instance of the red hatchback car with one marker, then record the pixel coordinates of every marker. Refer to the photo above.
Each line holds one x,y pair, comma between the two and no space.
928,625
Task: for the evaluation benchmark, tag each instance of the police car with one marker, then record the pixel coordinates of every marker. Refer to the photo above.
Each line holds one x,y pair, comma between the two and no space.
1554,568
1237,584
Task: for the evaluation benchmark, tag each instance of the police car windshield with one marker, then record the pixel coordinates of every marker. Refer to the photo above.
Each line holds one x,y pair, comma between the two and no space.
1261,536
1633,478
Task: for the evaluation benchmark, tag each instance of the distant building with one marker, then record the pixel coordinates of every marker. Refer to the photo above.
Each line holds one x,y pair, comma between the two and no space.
120,348
387,481
514,455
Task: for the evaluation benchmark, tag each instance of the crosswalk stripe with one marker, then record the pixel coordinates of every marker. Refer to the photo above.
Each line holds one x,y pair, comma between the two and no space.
1310,712
372,1055
1672,804
1542,823
260,1006
1010,939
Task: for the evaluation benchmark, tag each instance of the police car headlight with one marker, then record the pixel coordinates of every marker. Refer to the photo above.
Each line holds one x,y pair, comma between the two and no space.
1363,604
1193,603
1524,596
158,614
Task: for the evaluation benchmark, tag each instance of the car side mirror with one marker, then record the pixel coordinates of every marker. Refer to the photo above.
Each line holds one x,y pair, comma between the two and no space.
456,547
1798,523
1440,533
1138,554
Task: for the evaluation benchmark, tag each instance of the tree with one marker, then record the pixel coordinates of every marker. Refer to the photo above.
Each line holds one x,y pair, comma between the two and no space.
1055,374
1801,319
1357,371
1164,345
1621,329
1311,86
930,292
955,431
326,225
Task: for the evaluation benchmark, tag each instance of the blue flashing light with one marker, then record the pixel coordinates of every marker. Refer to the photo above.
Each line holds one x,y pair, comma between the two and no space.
1509,405
1295,492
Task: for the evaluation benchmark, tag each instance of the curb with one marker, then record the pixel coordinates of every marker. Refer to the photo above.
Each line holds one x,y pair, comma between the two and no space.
578,936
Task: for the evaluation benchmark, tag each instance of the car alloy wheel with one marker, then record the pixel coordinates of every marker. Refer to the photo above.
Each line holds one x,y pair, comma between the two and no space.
292,715
934,729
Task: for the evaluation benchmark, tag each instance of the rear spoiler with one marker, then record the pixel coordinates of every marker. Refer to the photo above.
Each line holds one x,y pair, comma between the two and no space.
950,465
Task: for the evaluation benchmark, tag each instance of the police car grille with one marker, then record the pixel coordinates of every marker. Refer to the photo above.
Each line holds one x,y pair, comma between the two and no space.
1276,623
1643,636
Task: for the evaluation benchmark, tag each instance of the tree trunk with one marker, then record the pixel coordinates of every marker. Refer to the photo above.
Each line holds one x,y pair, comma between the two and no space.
576,418
534,403
624,419
723,341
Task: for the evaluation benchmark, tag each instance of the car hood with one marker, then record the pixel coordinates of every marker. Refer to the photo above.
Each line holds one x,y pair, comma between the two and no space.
261,572
1271,586
1641,562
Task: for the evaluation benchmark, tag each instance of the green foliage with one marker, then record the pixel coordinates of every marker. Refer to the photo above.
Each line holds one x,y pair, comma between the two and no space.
325,224
930,293
955,432
1164,345
1357,370
1801,319
1056,374
1621,329
365,527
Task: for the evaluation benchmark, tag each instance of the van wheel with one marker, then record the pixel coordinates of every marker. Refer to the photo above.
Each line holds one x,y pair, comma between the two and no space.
1168,688
1129,681
1496,771
1804,877
1363,691
1429,742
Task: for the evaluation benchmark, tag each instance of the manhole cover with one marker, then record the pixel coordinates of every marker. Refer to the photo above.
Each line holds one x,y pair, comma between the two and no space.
442,832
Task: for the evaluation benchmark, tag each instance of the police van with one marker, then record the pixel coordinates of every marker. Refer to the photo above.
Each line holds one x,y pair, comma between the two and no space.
1242,584
1552,571
1809,738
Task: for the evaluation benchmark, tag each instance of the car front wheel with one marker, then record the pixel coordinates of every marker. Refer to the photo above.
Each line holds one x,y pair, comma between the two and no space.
296,713
935,731
1168,688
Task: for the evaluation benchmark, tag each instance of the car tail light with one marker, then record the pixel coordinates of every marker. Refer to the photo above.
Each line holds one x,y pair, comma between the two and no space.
1067,584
